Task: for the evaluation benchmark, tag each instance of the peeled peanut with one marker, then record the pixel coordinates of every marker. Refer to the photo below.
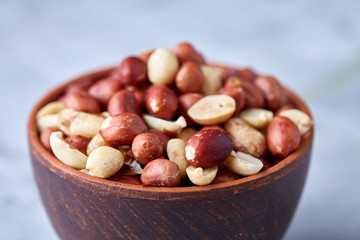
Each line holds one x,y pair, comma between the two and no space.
283,136
212,109
213,81
50,108
237,94
245,138
301,119
48,121
85,124
208,148
186,133
168,127
105,161
122,129
161,172
95,142
257,117
243,164
162,67
66,154
201,176
176,153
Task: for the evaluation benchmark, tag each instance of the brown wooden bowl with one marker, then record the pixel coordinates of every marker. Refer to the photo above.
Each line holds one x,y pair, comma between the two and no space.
85,207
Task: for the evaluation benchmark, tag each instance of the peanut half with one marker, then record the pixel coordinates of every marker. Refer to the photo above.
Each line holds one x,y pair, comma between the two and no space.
66,154
243,164
168,127
257,117
212,109
212,77
176,153
201,176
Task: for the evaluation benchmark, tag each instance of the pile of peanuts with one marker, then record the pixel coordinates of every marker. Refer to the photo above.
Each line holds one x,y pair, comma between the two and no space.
169,118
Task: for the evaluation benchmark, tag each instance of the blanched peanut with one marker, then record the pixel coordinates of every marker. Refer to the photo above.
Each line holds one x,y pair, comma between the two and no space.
50,108
66,154
47,121
95,142
162,67
186,133
105,161
212,82
168,127
257,117
212,109
245,138
201,176
301,119
176,153
85,124
243,164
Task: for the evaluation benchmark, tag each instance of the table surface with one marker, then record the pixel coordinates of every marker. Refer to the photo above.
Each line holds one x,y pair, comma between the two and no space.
311,46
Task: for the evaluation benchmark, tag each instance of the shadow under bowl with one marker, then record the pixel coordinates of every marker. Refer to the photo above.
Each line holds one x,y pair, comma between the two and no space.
85,207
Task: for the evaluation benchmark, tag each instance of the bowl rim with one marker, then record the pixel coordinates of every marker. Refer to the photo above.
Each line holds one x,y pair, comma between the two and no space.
44,157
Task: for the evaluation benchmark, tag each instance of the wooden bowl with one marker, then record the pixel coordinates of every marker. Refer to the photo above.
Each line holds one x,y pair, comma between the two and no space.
85,207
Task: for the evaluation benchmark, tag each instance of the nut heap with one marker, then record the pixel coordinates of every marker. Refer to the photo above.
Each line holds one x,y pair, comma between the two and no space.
168,118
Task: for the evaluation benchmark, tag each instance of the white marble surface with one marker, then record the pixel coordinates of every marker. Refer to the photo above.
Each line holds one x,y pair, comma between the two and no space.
312,46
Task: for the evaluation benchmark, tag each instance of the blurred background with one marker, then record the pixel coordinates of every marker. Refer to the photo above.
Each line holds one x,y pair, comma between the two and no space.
311,46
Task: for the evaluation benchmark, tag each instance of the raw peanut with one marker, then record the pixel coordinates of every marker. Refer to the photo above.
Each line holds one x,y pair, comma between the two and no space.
65,116
48,121
257,117
162,67
185,102
161,172
224,175
50,108
82,101
66,154
172,128
95,142
122,129
85,124
226,71
301,119
243,164
272,90
122,178
104,89
201,176
104,161
45,136
139,96
162,136
213,109
208,148
82,85
78,142
189,78
253,95
147,147
245,138
213,127
246,74
132,71
283,136
186,52
186,133
176,152
237,94
161,101
124,101
213,81
145,55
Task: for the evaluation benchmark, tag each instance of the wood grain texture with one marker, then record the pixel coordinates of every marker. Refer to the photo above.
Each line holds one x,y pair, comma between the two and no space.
84,207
